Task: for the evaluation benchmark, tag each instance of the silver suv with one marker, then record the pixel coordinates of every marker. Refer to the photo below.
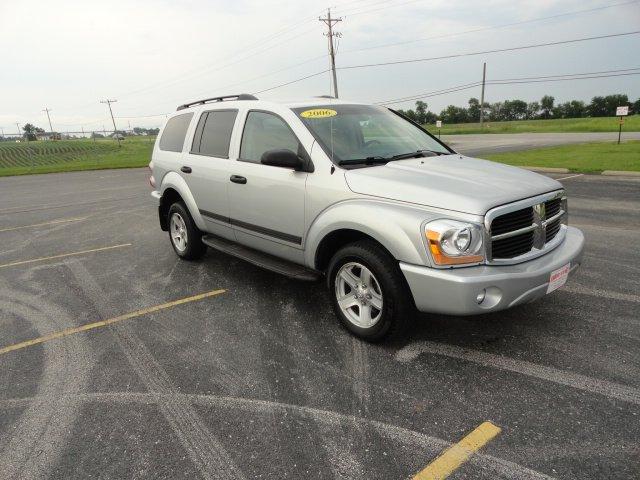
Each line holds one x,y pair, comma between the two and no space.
393,218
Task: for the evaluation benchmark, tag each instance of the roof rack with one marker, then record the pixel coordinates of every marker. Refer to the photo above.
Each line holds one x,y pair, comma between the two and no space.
242,96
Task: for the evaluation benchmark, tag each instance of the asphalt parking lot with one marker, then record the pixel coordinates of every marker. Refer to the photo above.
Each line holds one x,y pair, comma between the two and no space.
257,380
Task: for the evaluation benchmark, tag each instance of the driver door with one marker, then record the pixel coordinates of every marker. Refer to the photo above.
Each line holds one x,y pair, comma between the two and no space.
266,202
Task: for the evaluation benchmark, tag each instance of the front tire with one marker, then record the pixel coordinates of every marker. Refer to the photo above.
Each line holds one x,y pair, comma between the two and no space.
185,237
369,294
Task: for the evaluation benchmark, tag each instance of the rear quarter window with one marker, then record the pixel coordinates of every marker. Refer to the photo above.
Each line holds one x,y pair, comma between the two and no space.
174,132
213,133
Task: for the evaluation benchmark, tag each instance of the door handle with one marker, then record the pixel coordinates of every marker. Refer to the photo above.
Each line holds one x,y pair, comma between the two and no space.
186,169
238,179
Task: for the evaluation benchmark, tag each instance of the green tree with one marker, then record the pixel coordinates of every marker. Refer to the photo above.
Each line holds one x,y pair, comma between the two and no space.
572,109
614,101
31,132
474,109
606,106
546,105
421,112
533,110
453,114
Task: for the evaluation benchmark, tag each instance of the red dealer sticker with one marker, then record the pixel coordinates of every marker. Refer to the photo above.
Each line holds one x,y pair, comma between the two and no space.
558,278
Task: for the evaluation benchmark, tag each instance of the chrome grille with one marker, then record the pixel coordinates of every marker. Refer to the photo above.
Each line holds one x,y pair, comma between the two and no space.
525,229
512,221
552,207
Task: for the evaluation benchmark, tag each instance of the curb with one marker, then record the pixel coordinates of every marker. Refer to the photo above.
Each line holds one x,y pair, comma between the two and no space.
620,173
547,169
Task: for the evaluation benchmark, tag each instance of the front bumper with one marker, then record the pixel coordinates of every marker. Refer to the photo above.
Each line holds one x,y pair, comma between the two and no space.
455,291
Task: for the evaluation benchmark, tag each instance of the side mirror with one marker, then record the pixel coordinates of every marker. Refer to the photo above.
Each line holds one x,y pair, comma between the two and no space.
282,158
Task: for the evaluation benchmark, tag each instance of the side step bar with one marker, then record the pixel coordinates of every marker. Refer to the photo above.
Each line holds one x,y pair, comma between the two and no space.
264,260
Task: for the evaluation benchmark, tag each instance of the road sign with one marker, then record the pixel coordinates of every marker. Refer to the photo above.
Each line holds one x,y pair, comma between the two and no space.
622,111
439,122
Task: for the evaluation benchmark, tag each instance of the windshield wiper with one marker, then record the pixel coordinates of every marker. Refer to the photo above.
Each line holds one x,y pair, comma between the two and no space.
368,160
417,153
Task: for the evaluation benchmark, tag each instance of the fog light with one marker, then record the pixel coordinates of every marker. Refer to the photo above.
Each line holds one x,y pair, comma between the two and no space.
480,297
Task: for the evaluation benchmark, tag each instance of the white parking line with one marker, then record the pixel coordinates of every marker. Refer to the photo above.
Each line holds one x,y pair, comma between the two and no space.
570,176
549,374
596,292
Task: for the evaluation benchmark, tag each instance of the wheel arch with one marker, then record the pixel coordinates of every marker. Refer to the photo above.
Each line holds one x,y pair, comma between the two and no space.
173,189
396,230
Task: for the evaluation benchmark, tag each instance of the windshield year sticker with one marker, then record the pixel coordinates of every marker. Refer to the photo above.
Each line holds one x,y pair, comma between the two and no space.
319,113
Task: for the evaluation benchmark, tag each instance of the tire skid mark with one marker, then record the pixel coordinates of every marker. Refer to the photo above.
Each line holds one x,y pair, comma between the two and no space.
359,361
204,449
343,460
43,429
423,444
550,374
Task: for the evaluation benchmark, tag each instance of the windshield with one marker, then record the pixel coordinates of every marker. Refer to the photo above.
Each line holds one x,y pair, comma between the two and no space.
353,133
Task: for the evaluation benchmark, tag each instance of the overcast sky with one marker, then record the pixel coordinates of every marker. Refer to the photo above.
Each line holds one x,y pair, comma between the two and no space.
67,55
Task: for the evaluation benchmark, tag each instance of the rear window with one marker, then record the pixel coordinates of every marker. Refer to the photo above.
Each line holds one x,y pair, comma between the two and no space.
213,133
174,132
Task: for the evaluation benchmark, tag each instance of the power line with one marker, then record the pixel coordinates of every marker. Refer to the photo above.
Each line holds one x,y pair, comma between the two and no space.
491,27
292,81
466,54
484,52
496,82
517,80
571,74
356,13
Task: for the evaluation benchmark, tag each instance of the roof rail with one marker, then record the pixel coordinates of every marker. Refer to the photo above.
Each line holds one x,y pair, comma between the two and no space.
242,96
325,96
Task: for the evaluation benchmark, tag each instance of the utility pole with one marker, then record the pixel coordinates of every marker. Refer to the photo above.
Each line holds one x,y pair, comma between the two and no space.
115,129
18,125
330,22
49,118
484,76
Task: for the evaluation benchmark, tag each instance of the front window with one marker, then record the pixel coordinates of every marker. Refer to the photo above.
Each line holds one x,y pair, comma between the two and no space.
361,134
263,132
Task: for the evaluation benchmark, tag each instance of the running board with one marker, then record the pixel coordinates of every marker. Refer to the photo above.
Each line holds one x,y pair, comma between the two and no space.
264,260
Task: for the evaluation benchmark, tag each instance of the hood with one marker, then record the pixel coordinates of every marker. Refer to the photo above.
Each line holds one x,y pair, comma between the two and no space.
451,182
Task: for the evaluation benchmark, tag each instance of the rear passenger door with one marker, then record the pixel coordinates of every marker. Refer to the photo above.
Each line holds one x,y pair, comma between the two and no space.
208,160
267,202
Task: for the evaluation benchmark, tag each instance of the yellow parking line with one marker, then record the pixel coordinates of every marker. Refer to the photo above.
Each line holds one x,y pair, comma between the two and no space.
53,222
458,453
104,323
62,255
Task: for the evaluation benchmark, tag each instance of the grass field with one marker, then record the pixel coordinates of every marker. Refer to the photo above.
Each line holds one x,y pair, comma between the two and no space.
599,124
585,157
68,155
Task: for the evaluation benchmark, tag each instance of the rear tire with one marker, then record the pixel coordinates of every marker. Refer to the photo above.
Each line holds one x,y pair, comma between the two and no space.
369,294
184,235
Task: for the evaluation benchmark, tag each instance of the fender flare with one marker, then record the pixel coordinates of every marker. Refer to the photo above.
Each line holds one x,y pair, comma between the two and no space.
396,228
176,182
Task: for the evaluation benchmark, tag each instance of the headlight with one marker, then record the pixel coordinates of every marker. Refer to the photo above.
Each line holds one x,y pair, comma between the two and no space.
451,242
